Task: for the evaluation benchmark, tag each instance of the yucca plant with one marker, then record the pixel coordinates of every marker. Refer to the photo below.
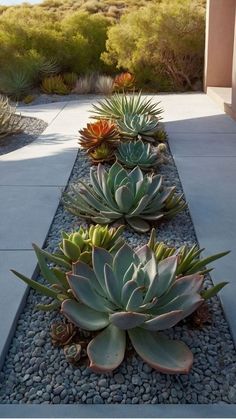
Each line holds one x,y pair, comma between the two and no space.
119,105
138,126
104,85
130,292
124,81
117,195
16,84
137,153
10,123
54,84
70,79
189,261
102,154
73,247
98,133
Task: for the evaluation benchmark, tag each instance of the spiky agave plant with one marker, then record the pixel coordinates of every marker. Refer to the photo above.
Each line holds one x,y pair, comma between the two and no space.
10,123
117,195
131,293
189,261
124,81
118,105
98,133
139,126
16,83
73,247
137,153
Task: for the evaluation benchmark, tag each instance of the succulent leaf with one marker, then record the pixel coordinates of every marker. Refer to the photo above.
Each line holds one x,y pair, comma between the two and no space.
163,321
127,320
168,356
106,351
83,316
84,292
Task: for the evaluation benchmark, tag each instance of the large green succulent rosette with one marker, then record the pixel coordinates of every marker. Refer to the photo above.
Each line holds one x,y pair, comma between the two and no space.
130,293
118,195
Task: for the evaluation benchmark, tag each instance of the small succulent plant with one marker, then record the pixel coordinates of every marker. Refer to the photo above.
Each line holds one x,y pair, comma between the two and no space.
101,154
117,195
119,105
62,333
131,292
137,153
54,84
138,126
73,247
98,133
188,262
73,352
161,135
10,123
124,81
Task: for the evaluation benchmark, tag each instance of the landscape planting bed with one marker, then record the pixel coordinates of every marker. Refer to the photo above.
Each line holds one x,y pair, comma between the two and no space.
32,128
36,372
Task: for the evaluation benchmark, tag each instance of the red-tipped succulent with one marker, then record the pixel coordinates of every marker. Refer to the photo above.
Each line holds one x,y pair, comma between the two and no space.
98,133
124,81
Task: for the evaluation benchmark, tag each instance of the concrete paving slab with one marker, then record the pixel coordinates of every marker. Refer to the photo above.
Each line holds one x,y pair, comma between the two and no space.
46,112
194,113
49,159
203,144
13,293
26,214
209,186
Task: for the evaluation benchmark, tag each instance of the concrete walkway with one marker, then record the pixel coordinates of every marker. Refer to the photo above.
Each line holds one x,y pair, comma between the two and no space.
203,142
31,180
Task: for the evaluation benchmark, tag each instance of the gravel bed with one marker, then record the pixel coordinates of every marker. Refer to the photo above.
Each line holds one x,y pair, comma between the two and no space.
32,128
36,372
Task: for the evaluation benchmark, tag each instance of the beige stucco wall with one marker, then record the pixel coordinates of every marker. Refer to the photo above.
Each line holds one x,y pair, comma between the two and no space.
234,74
220,24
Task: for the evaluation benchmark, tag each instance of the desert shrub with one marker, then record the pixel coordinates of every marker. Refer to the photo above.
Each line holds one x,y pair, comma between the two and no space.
93,29
35,42
163,46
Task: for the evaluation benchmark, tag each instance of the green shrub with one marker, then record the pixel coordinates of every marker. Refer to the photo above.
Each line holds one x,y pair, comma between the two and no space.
163,46
37,42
